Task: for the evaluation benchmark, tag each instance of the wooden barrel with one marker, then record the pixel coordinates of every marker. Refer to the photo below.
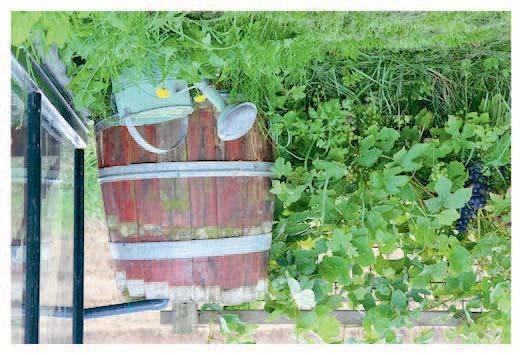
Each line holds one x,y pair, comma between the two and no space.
193,224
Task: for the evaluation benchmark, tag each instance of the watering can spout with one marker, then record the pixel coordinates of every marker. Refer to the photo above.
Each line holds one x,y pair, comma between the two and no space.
234,121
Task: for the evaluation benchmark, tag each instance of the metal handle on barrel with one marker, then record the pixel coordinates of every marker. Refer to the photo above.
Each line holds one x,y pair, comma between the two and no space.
138,138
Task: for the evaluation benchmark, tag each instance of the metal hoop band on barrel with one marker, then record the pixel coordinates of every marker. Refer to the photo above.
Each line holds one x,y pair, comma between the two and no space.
185,170
191,248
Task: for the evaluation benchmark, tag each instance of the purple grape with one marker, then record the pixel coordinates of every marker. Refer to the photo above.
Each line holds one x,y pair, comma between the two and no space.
479,188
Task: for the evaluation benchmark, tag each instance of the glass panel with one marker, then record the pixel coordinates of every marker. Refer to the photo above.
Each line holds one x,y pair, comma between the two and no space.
18,207
57,231
57,144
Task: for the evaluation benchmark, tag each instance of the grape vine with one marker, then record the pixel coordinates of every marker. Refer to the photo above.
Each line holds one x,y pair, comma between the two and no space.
393,149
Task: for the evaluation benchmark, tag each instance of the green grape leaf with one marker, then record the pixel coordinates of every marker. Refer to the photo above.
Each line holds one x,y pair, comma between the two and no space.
304,299
366,256
282,168
341,243
327,328
307,321
445,198
447,217
399,299
386,139
22,22
331,168
407,159
368,154
460,260
287,193
334,268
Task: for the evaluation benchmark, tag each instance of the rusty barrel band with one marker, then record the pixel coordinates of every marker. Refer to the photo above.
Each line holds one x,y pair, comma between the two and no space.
169,170
191,248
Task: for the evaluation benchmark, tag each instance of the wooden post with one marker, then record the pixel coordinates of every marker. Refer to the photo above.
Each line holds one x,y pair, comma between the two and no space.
185,320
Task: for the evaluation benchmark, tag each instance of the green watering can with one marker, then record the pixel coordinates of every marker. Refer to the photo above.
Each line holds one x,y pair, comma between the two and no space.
143,100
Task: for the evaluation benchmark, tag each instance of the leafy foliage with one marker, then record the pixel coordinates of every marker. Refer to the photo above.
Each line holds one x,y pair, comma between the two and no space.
379,231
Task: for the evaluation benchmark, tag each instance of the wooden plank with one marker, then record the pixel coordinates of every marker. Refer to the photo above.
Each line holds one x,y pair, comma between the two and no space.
124,190
180,210
147,191
180,272
174,193
148,210
111,211
268,205
231,200
148,132
203,192
112,140
99,149
186,318
231,275
254,206
346,317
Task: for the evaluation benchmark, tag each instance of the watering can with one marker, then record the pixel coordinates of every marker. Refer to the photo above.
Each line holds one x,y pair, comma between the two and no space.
141,100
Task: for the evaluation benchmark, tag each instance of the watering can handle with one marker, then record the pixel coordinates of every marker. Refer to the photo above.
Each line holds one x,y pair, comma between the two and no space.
138,138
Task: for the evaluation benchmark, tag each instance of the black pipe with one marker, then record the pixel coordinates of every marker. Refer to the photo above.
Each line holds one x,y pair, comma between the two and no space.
78,269
32,213
108,311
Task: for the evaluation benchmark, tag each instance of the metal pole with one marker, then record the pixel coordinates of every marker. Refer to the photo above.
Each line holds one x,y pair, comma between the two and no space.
78,312
107,311
33,165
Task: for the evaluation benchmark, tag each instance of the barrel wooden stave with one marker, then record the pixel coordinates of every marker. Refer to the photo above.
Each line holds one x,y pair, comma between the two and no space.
115,145
241,206
218,276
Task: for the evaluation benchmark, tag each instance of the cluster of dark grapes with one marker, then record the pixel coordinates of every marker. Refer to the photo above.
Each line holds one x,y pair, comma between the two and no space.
479,186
